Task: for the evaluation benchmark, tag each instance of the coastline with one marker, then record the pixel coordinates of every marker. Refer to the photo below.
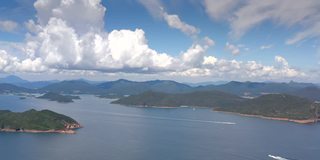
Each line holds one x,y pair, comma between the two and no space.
69,129
160,107
305,121
38,131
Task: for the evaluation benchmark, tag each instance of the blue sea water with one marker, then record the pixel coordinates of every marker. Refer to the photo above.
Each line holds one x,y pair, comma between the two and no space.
115,132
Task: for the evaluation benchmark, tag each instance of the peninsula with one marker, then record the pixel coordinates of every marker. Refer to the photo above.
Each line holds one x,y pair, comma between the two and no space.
32,121
271,106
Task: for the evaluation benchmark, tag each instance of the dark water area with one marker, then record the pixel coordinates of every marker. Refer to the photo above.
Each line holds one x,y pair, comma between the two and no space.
116,132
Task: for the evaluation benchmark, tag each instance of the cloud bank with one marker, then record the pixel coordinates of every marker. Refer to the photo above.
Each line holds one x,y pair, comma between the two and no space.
59,40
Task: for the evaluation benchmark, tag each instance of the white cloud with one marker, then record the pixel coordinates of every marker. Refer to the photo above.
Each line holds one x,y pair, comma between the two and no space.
264,47
209,60
218,9
246,14
281,61
56,43
156,8
311,32
61,47
82,15
251,70
235,50
11,64
175,22
8,26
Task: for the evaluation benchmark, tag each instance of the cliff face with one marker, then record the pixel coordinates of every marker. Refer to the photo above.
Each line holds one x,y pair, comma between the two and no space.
72,126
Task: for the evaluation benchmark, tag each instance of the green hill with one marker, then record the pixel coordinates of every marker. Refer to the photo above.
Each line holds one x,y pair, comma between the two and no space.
58,97
35,120
198,98
124,87
271,105
275,105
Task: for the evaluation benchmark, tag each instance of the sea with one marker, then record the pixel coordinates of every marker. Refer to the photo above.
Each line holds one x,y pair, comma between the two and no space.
116,132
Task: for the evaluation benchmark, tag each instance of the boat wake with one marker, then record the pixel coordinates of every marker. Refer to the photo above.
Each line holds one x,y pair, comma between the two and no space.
171,119
168,118
277,157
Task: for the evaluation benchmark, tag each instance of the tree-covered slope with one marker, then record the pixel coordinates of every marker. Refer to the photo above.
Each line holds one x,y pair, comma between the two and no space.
125,87
198,98
275,105
271,105
36,120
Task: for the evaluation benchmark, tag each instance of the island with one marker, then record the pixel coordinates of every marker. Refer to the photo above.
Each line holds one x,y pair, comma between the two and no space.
59,97
33,121
271,106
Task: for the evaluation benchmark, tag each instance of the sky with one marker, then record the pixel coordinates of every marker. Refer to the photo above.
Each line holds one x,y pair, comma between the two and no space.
182,40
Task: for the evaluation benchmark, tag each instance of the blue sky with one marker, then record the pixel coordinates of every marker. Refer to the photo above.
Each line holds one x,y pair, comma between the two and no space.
130,14
239,38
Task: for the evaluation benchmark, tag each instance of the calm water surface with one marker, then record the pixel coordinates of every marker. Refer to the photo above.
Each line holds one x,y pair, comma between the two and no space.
116,132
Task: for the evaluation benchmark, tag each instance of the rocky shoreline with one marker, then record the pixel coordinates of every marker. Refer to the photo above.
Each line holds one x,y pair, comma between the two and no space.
305,121
69,129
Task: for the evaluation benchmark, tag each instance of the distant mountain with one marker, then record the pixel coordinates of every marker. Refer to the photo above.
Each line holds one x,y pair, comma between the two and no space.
125,87
12,80
312,93
122,87
36,84
197,98
70,87
15,80
10,88
90,81
207,83
256,88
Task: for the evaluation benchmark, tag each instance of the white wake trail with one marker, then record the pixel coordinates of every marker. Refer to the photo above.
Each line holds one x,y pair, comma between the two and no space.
166,118
277,157
170,119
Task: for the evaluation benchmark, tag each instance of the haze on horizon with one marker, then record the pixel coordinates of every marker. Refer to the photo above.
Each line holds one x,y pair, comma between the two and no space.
182,40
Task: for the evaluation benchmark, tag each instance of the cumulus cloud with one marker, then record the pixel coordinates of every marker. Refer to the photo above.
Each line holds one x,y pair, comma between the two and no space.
281,61
232,69
63,44
81,15
120,50
58,43
209,60
8,26
156,8
11,64
246,14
